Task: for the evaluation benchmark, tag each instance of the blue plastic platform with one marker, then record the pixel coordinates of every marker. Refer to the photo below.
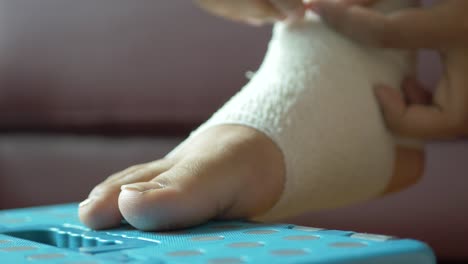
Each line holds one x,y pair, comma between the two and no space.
53,234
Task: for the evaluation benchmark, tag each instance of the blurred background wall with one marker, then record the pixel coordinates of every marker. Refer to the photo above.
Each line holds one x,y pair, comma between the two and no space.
90,87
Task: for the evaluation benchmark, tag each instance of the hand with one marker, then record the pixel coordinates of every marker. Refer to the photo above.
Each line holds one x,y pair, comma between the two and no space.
442,27
255,12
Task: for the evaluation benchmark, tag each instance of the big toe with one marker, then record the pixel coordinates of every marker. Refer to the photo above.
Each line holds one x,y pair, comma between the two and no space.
181,197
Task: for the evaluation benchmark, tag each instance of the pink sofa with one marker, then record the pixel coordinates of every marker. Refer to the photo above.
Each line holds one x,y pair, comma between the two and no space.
90,87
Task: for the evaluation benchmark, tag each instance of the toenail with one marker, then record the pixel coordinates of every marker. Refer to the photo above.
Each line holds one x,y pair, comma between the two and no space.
86,202
141,187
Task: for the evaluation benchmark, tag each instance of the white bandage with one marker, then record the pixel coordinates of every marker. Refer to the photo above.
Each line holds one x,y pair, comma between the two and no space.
313,97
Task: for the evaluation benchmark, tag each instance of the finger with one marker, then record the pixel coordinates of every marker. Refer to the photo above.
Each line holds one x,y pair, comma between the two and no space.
101,210
447,115
293,9
416,121
415,93
255,12
259,12
408,28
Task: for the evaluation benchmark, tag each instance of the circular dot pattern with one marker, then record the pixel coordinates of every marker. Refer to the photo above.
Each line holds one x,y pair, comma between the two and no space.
225,261
246,245
14,220
175,232
46,256
261,232
184,253
307,229
300,237
207,238
347,245
289,252
83,262
226,227
15,249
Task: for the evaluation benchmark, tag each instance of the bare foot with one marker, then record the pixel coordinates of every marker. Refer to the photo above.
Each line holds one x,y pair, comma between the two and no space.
227,172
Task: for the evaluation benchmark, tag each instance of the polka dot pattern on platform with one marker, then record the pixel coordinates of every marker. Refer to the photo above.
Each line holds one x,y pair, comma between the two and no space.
261,232
207,238
46,256
304,237
17,249
225,261
184,253
347,245
246,245
289,252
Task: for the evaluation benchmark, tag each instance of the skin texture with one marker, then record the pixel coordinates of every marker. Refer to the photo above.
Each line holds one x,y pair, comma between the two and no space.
227,172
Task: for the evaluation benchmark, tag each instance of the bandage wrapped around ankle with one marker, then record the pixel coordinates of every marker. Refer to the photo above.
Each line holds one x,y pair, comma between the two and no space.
313,97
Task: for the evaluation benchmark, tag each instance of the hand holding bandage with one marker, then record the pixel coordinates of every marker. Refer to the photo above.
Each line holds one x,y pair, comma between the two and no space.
442,27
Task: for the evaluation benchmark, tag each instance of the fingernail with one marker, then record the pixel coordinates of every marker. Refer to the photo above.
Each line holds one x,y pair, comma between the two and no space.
86,202
142,187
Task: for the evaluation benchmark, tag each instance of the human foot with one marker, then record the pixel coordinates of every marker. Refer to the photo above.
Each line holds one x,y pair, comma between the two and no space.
227,172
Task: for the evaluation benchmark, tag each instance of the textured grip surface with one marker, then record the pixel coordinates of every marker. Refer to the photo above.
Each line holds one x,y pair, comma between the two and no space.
54,234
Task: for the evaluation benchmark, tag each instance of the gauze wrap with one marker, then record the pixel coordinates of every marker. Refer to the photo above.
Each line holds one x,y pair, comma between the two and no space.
313,97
